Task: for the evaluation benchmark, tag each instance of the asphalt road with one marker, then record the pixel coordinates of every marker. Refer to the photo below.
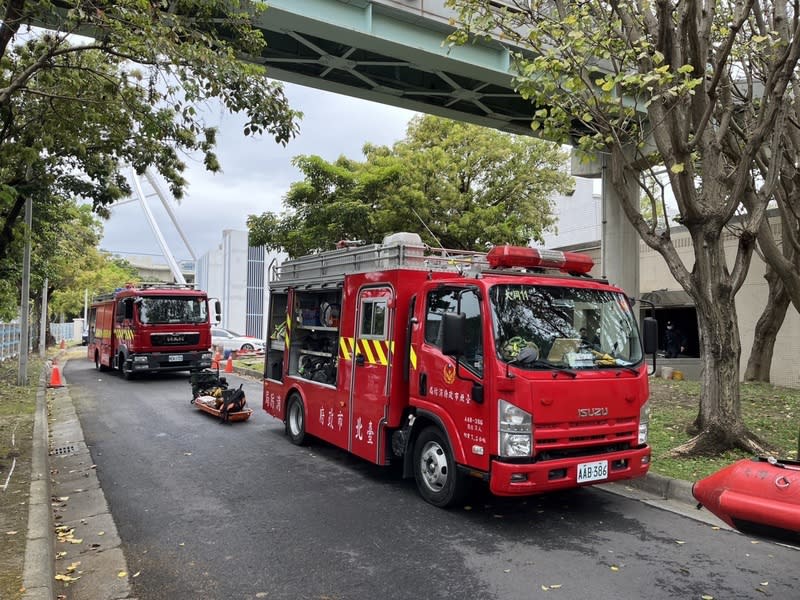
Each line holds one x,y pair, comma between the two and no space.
214,511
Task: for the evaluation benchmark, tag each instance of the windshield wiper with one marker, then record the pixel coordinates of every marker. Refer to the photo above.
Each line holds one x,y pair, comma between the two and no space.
548,365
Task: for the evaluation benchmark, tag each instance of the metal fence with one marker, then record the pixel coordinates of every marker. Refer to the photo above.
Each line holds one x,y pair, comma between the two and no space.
68,332
10,335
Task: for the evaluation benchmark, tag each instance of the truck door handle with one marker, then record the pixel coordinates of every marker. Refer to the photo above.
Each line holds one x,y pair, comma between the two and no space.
423,384
360,360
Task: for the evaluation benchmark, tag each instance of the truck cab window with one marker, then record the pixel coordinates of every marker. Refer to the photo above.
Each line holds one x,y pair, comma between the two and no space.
373,319
457,301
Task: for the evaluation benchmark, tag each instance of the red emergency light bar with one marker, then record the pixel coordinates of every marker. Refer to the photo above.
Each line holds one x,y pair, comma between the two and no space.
522,256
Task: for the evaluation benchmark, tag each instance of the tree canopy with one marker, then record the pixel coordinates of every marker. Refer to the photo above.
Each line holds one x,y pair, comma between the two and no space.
75,109
708,89
459,186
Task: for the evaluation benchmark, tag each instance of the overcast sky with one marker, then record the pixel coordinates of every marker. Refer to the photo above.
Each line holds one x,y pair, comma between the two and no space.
256,173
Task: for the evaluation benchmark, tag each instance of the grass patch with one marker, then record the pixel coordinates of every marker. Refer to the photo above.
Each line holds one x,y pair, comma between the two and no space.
771,412
17,408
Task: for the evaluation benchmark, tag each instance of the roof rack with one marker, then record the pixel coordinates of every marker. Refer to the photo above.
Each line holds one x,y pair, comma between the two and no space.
407,251
143,285
398,251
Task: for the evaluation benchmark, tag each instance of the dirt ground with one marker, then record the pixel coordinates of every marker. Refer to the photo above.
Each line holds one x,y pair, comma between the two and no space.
17,407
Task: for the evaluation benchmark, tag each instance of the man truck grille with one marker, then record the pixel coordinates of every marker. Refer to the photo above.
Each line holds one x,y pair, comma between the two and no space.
175,339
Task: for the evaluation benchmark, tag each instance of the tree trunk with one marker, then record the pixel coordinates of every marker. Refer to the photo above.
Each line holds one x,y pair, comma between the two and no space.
760,361
719,425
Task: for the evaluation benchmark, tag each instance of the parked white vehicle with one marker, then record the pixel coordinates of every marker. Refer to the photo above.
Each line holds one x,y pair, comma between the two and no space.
230,340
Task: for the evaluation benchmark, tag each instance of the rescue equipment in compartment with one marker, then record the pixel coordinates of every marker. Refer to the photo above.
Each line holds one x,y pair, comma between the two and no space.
531,258
759,496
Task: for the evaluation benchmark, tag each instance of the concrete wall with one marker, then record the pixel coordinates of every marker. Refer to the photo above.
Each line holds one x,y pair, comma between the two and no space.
750,302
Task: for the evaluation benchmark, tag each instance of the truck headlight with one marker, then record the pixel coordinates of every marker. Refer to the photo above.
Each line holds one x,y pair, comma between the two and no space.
206,356
515,428
140,359
644,423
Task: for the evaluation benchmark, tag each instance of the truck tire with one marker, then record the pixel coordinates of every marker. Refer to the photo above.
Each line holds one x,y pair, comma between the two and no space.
438,479
127,372
296,420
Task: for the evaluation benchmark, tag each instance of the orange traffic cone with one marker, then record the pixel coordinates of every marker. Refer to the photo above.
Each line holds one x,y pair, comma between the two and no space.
215,360
63,344
229,364
55,376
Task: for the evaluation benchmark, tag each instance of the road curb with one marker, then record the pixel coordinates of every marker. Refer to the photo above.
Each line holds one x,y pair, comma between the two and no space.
665,487
38,575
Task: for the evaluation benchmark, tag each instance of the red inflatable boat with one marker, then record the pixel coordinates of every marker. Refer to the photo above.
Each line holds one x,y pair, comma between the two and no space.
759,496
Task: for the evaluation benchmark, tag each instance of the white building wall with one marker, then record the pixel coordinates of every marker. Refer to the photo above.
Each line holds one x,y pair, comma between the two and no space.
238,276
234,280
209,273
579,216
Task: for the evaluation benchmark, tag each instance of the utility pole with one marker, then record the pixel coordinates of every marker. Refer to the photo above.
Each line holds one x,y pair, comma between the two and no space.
43,323
22,375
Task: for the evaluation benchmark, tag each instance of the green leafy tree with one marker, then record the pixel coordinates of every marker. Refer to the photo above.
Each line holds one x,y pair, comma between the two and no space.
89,274
74,110
705,89
460,186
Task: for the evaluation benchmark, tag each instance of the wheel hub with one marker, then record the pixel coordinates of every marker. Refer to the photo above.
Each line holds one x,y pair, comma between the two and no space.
434,466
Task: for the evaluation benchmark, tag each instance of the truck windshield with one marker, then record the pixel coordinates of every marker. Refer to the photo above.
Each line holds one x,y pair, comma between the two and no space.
154,310
541,327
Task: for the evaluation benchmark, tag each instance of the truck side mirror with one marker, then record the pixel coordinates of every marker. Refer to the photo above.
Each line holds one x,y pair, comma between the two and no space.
454,333
650,335
217,311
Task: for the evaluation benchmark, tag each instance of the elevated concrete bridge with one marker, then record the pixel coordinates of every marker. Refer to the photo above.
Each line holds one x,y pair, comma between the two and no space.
394,52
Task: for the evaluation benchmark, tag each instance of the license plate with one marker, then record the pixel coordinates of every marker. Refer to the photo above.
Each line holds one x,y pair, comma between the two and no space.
176,358
593,471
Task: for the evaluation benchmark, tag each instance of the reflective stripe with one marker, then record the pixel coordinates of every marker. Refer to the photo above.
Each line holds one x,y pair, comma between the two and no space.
346,347
365,348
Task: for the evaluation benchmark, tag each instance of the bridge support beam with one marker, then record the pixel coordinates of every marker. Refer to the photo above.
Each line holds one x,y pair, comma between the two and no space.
620,245
619,261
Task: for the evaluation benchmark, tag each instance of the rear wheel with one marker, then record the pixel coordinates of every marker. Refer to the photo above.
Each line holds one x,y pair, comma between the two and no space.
296,420
438,479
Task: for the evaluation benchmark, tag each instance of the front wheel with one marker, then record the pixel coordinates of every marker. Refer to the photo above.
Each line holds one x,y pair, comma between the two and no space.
438,479
125,368
296,420
247,347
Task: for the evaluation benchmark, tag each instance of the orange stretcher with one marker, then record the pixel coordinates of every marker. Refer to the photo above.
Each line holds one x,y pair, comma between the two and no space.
239,415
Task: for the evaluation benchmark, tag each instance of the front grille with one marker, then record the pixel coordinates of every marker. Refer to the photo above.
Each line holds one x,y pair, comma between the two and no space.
174,339
584,438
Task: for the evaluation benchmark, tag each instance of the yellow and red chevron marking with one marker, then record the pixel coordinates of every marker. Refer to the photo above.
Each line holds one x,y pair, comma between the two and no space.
376,352
125,333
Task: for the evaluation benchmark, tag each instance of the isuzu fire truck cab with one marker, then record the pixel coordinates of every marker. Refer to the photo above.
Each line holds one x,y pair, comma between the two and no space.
512,367
147,328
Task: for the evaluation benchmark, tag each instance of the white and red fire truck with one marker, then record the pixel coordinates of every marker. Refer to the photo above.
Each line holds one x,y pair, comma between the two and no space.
146,328
513,367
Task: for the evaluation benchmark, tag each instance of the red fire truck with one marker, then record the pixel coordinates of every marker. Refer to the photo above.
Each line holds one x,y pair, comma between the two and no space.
145,328
513,367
